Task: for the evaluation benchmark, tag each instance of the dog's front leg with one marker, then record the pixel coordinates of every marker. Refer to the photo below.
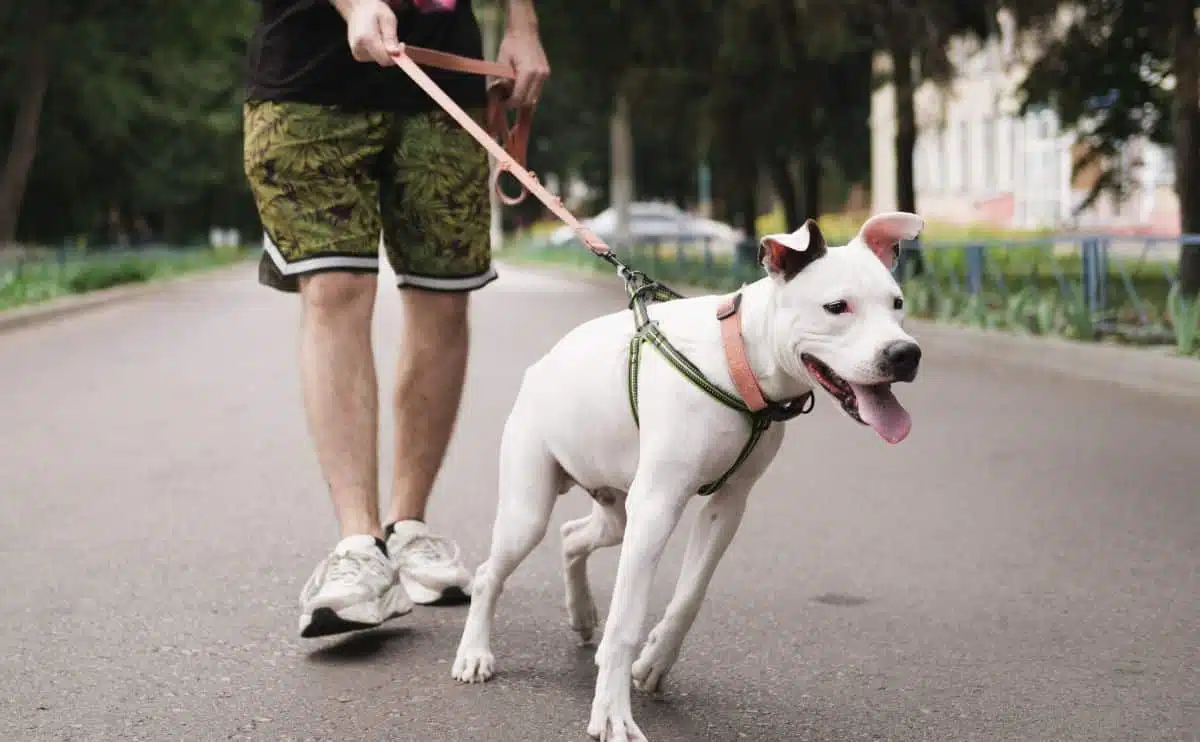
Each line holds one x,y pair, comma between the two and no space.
654,508
712,532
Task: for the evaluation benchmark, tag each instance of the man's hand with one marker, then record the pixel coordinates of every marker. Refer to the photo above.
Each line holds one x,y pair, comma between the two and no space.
521,49
370,30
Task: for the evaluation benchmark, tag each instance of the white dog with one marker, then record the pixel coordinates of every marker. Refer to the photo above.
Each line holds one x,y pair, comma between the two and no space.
823,316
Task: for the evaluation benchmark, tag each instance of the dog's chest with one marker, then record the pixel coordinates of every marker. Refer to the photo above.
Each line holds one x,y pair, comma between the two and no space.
581,395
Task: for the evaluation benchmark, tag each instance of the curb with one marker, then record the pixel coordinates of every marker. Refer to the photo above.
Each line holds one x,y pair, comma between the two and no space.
1138,369
66,306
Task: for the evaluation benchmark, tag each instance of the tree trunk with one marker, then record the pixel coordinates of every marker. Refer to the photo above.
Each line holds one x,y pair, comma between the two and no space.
35,74
906,139
1186,53
812,186
748,205
621,179
785,188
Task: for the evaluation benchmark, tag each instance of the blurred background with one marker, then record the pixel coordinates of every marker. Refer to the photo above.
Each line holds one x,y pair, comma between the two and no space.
1052,146
1022,569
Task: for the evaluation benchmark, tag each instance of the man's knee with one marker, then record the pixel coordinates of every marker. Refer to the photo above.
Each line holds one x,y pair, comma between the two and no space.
436,314
338,293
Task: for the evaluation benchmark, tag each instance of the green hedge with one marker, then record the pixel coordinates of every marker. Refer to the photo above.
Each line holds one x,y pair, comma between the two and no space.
1026,289
48,274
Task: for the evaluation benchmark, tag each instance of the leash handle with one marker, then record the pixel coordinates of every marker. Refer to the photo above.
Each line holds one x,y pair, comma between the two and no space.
510,157
515,138
455,63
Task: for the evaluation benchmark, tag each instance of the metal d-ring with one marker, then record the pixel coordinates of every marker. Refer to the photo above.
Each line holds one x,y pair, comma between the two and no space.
508,200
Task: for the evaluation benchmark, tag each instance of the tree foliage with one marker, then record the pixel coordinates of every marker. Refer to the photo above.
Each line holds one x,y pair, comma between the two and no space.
140,122
1117,72
1103,76
748,86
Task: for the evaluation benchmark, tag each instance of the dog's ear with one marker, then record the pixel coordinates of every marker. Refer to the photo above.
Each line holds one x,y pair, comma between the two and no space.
882,233
785,255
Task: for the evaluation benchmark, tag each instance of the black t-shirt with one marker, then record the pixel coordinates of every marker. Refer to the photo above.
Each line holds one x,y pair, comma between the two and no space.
299,52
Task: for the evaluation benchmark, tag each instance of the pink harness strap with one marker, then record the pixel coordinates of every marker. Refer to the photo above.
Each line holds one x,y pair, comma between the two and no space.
730,317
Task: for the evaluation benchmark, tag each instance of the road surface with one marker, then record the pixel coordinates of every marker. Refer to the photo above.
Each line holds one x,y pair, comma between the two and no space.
1025,567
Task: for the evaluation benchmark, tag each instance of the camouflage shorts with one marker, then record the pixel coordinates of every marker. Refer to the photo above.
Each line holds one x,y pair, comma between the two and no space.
329,184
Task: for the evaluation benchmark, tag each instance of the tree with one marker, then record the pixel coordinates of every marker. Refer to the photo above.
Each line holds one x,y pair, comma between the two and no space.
32,61
915,35
790,93
918,34
747,86
1120,71
628,50
141,120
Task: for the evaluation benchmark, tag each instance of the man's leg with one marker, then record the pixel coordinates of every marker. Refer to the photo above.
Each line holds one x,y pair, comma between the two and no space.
311,172
436,217
429,387
337,374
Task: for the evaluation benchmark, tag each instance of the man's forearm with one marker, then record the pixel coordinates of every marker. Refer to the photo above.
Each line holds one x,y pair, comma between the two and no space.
344,6
520,15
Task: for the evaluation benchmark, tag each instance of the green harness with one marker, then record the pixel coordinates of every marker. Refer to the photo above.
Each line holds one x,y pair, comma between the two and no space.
642,290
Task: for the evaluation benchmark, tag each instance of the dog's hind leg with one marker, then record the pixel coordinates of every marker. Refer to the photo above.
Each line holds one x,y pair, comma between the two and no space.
604,526
530,481
713,530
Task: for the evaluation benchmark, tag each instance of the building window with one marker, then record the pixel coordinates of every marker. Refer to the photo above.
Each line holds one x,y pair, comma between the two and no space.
1005,153
964,155
921,162
940,177
937,178
989,154
1016,140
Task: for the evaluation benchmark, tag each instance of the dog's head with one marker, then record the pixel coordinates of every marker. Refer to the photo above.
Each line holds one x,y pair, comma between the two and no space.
837,313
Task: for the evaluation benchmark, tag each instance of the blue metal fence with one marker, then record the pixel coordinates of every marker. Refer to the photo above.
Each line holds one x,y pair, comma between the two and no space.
1083,286
1122,285
31,275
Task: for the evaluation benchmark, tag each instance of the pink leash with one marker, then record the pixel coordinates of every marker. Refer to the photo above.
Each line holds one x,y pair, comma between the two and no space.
505,161
407,59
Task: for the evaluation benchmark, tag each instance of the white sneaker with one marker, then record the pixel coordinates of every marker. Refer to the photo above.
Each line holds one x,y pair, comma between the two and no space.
353,588
428,565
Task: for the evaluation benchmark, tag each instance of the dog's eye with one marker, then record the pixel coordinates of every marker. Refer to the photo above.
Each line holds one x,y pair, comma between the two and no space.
898,304
837,307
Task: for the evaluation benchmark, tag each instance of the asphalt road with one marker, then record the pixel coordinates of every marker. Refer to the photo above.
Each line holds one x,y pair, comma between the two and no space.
1025,567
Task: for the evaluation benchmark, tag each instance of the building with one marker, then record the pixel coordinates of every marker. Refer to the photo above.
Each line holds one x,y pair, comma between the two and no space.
978,160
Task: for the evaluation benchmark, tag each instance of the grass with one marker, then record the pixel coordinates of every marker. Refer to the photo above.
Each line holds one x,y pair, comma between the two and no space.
1026,288
843,226
45,274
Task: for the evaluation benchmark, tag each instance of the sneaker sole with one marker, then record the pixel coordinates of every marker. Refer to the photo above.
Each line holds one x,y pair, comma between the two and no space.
450,596
428,596
325,621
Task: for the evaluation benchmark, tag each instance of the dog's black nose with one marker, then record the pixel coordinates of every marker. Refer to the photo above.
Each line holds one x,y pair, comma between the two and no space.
901,359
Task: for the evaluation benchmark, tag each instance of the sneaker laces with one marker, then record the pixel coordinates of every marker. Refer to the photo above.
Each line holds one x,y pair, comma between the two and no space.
349,567
429,549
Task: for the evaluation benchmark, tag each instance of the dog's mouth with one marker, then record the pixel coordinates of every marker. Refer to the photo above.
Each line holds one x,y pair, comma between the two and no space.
869,404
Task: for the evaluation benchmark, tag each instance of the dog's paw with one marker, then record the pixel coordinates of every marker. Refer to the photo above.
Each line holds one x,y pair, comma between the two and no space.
657,658
582,615
609,725
473,666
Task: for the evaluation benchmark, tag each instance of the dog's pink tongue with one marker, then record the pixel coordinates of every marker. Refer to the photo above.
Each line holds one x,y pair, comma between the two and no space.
880,409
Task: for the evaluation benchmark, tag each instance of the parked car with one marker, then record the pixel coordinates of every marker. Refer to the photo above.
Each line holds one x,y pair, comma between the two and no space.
652,221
